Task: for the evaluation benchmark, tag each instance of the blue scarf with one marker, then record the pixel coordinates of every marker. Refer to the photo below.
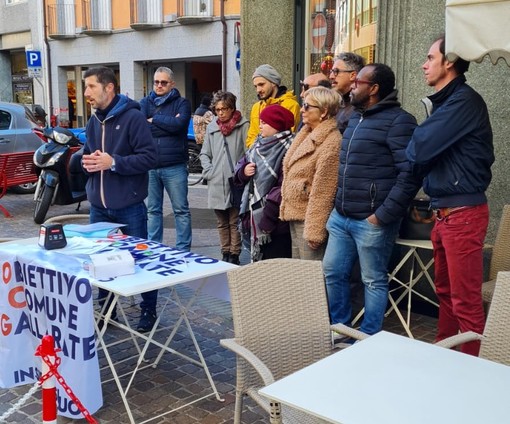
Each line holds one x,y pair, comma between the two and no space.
159,100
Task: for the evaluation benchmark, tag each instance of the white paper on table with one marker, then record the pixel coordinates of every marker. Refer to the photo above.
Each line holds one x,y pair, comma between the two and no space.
84,246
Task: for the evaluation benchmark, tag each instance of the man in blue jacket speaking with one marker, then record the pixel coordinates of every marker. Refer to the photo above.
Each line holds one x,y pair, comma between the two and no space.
453,149
375,187
117,157
168,115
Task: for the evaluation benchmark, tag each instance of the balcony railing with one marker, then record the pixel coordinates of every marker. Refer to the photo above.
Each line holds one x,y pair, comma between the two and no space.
146,14
61,21
97,15
195,11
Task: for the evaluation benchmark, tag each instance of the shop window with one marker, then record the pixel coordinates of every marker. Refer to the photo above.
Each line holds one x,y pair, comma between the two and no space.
369,12
22,86
323,20
336,26
367,52
373,11
61,19
97,15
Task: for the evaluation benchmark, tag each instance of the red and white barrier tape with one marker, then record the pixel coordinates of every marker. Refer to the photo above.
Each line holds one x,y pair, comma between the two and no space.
50,362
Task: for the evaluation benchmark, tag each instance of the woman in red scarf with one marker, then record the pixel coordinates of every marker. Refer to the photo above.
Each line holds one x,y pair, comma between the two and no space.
228,131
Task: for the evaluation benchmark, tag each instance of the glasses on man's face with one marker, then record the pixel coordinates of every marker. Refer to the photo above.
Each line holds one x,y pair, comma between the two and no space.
221,109
163,83
304,86
307,106
336,71
357,81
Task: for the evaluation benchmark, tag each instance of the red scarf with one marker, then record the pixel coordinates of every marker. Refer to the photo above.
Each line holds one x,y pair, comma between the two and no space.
226,128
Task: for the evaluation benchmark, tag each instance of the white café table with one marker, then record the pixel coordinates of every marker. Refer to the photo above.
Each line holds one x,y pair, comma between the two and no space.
391,379
166,269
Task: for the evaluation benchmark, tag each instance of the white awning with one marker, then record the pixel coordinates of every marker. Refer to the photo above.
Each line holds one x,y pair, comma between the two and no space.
475,28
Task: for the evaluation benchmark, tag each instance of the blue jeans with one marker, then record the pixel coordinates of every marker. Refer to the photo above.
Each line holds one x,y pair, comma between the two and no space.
135,219
173,179
349,239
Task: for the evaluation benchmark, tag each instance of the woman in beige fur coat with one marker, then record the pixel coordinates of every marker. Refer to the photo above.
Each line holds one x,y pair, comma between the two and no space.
310,172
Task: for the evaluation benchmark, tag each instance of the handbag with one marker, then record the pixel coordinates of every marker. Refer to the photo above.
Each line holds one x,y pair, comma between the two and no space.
236,192
419,220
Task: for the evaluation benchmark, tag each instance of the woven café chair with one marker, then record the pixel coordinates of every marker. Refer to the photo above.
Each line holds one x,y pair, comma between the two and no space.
495,341
281,325
500,259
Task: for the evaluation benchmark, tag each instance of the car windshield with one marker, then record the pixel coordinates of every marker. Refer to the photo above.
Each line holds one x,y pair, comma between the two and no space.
32,118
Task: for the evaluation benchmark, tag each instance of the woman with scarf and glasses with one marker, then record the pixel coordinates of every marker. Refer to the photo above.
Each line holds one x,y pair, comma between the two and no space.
224,145
310,170
260,172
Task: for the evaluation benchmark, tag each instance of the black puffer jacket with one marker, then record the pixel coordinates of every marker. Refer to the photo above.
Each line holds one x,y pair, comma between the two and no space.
169,127
453,147
374,175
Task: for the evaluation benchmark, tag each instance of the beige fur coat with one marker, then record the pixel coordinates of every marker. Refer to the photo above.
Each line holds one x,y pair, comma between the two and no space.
310,173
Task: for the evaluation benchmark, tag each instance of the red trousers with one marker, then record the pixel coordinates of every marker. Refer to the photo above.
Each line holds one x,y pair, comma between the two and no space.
458,241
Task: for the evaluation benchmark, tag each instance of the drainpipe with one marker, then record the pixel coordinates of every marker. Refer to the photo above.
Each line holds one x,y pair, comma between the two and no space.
48,61
224,47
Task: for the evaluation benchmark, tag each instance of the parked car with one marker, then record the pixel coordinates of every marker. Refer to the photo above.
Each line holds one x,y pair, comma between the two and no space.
17,124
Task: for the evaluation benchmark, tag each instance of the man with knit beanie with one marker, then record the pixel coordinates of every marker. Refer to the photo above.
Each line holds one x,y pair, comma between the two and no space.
266,81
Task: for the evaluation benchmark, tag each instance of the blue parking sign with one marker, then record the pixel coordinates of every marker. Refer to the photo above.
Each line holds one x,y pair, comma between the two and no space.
33,59
238,60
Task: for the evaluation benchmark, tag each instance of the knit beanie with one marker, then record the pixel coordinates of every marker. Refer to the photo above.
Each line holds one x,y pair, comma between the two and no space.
269,73
278,117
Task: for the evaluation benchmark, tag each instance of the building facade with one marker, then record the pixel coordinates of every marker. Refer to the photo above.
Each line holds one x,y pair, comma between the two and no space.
197,39
396,33
305,37
21,29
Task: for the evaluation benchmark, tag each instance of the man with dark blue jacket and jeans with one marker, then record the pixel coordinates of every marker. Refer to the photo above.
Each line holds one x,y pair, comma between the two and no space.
375,187
117,157
453,149
168,115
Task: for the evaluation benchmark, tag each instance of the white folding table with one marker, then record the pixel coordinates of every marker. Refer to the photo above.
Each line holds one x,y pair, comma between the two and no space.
158,267
391,379
405,288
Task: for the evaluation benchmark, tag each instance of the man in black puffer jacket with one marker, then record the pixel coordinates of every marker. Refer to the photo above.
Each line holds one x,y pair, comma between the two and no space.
168,115
375,187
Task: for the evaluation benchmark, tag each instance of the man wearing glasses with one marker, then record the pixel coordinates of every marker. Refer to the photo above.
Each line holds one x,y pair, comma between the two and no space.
168,115
375,187
453,149
267,81
313,80
345,69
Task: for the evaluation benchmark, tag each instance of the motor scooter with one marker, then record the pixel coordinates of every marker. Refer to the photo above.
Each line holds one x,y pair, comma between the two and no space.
61,177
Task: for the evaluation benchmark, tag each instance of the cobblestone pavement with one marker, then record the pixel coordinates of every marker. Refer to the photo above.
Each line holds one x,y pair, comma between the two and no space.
174,381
